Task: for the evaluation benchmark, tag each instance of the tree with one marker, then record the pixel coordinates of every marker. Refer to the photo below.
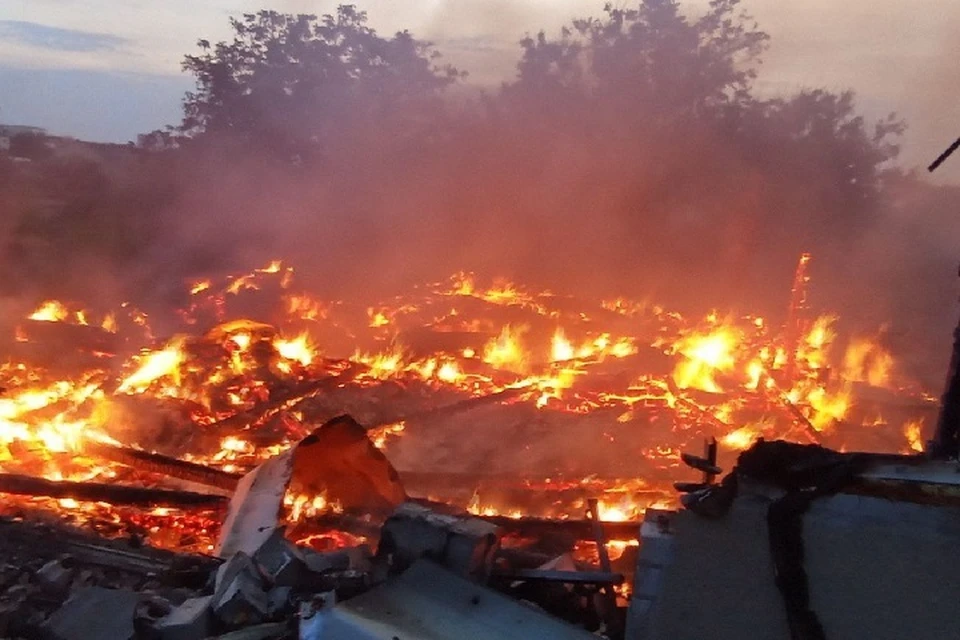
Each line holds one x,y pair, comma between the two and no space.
648,64
291,85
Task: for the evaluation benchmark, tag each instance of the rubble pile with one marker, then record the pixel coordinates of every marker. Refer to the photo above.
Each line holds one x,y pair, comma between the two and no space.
69,587
426,564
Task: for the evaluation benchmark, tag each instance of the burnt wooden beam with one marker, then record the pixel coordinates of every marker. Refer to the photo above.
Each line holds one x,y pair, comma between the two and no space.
117,495
164,465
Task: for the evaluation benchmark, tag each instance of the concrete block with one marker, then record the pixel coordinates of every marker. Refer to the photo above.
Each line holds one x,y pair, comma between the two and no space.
192,620
94,613
463,545
239,598
280,561
55,576
279,602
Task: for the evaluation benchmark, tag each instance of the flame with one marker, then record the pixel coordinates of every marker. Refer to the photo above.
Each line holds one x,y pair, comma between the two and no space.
302,506
506,350
742,438
828,408
109,323
385,364
866,361
378,317
50,311
761,382
561,349
305,308
816,343
913,432
463,284
154,366
706,354
298,349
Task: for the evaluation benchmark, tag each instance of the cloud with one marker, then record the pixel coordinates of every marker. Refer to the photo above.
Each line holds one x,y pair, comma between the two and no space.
57,39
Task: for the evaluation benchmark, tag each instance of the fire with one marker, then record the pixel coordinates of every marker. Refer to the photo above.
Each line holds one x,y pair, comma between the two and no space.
449,372
706,354
304,307
867,361
506,350
50,311
816,344
383,365
913,432
298,349
561,349
587,386
828,408
302,506
109,323
155,365
741,439
378,317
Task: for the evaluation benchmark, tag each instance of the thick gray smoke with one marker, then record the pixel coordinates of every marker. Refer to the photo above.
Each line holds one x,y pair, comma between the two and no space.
633,160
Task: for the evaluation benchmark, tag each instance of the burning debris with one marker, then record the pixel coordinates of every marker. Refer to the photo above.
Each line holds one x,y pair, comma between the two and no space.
485,421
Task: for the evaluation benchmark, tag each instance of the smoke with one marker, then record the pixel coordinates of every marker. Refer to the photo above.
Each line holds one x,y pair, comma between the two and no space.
615,195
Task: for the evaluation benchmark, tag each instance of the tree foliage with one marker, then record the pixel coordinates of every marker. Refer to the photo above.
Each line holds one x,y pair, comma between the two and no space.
650,63
292,85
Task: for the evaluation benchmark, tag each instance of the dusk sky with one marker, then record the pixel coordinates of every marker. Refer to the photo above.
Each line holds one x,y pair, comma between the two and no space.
110,69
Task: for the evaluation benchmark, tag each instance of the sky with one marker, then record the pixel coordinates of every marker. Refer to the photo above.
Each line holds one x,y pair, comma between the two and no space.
110,69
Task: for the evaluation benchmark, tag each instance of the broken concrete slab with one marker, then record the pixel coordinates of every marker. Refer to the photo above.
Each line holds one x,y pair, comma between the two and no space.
311,621
94,613
280,561
239,597
279,602
322,562
192,620
465,545
430,602
55,576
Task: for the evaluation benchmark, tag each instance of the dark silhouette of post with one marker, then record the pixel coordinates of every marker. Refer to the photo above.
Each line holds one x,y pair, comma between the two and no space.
946,439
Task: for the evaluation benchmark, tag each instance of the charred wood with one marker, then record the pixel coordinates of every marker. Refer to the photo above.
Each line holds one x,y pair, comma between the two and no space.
264,411
165,465
118,495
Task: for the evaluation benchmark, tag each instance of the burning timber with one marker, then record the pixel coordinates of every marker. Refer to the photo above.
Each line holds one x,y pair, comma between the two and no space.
505,444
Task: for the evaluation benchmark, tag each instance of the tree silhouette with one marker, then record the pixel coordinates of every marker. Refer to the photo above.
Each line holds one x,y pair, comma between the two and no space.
293,85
